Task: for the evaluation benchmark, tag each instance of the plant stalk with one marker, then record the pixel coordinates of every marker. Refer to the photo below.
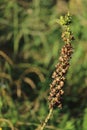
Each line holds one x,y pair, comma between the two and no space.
46,120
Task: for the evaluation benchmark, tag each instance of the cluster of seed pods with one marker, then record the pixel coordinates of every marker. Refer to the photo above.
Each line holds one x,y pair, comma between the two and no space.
58,76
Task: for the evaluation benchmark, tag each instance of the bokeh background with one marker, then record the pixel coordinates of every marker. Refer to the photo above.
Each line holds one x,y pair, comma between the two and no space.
30,44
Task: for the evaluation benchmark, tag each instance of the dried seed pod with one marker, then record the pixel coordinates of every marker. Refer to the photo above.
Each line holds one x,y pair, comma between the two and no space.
54,74
63,78
61,92
51,94
53,90
61,59
51,86
61,83
57,95
54,83
63,71
57,79
58,87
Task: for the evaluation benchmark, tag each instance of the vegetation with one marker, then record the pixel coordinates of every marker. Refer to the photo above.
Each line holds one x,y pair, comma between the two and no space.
30,44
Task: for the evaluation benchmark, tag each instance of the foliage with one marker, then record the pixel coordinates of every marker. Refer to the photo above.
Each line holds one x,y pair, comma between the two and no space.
30,42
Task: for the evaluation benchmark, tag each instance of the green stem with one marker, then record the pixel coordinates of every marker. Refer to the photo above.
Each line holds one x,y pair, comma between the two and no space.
46,120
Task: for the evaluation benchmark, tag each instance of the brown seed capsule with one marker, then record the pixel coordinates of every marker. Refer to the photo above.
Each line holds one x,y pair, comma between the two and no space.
61,92
58,87
61,83
60,73
54,74
57,70
54,82
51,86
57,100
61,59
63,78
57,79
51,94
65,56
53,90
57,95
64,71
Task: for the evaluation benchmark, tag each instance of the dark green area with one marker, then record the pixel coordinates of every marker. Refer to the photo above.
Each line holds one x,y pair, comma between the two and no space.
30,44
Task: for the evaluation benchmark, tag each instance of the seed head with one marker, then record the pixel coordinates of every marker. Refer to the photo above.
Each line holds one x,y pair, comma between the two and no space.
58,76
56,87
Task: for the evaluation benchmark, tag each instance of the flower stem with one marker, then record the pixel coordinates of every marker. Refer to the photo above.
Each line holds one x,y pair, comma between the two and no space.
46,120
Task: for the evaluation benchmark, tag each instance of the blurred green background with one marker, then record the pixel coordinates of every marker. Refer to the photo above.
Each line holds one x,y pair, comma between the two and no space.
30,44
